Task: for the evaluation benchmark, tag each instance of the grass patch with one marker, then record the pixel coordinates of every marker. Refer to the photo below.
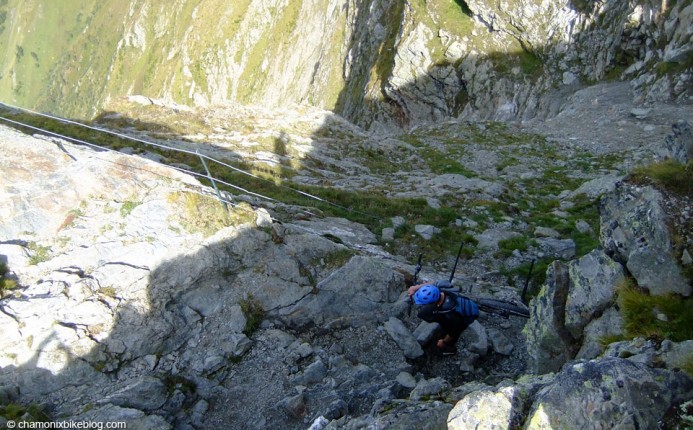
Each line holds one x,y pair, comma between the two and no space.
39,253
507,246
206,215
668,174
688,365
338,258
20,413
252,309
639,312
127,207
518,276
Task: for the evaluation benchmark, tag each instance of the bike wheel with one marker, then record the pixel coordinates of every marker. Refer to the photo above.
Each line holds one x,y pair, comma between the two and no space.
501,306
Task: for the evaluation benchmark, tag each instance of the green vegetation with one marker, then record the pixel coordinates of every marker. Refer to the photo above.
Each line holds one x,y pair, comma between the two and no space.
179,383
518,276
20,413
440,150
6,283
338,258
688,366
385,61
668,174
207,215
254,313
507,246
640,313
128,207
528,63
39,253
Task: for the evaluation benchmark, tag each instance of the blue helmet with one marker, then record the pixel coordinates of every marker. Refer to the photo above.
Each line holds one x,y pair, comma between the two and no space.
426,294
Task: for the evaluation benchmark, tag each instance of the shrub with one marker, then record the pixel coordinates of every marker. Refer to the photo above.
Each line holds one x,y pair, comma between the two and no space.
39,253
252,309
5,283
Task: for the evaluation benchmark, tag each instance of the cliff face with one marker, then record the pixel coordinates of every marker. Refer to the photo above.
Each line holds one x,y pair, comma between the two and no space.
375,62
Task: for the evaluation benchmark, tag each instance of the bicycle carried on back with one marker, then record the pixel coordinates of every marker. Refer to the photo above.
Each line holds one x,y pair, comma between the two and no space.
504,308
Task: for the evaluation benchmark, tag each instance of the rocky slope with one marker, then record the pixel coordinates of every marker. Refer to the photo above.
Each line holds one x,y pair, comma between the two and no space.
129,293
138,295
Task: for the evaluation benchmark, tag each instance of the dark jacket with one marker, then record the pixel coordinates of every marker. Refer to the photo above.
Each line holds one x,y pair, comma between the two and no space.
451,321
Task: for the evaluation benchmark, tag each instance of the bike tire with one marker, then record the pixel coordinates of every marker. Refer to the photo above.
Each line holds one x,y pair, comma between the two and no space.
501,306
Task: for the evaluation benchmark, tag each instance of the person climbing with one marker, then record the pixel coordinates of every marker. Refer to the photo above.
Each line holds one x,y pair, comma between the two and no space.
452,312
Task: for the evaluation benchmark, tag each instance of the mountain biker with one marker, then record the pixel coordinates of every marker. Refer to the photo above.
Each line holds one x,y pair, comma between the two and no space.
445,309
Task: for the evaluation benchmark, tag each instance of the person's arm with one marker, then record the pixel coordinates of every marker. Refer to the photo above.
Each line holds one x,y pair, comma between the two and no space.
414,288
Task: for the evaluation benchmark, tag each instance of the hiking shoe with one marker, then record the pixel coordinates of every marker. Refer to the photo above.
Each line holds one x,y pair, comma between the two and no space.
448,350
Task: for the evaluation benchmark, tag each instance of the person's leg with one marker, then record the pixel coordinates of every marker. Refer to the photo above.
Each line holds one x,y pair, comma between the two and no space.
446,341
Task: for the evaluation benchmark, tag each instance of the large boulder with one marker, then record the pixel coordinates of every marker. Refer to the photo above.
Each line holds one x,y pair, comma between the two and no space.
609,392
489,408
612,392
575,295
678,145
361,291
635,231
594,278
549,343
499,407
610,323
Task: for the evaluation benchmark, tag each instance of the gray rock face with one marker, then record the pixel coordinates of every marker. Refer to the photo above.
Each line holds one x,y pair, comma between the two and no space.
500,343
486,408
634,230
429,388
594,279
425,332
610,323
549,343
574,297
134,419
613,392
345,230
360,291
404,339
679,144
476,339
557,248
616,392
146,394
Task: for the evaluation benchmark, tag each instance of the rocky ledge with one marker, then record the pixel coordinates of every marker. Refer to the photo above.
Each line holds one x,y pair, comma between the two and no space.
137,297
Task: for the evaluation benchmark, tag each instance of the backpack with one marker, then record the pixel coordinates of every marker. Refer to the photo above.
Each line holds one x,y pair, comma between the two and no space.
465,306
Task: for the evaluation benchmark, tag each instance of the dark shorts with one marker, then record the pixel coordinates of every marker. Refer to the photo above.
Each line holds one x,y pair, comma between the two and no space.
455,327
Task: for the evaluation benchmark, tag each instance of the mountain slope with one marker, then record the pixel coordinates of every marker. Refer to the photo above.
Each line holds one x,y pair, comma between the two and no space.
378,63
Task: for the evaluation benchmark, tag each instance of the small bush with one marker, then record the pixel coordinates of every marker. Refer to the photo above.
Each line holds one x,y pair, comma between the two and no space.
39,253
5,283
253,313
180,383
637,309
